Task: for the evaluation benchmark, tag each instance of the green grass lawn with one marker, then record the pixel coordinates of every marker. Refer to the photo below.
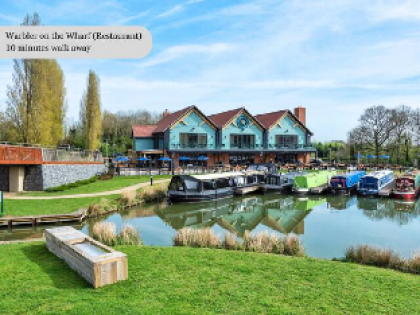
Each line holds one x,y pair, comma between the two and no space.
118,182
16,207
201,281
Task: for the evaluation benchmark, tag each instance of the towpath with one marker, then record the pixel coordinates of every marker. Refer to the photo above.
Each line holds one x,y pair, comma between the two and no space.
98,194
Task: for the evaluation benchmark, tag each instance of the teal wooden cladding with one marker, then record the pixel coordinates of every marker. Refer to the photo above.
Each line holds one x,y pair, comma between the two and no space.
192,124
236,130
248,128
288,127
141,144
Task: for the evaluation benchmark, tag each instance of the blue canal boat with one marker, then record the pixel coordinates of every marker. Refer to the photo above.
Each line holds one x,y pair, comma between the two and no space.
372,184
346,183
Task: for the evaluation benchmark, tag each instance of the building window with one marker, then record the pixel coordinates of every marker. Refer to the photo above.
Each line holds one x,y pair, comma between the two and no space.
286,141
241,159
193,140
242,141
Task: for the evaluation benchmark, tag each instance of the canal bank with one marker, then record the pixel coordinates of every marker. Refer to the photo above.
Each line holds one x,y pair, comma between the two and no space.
167,280
327,225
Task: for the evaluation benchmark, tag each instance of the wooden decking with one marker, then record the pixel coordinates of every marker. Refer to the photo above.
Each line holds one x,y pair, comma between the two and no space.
248,189
77,216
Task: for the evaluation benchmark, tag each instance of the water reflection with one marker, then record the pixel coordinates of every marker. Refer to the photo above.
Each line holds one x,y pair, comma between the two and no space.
326,224
282,214
389,209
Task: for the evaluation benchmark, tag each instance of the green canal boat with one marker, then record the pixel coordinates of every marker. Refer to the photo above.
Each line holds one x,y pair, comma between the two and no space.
303,184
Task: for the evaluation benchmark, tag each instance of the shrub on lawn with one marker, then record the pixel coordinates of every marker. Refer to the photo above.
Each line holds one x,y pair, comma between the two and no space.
384,258
368,255
129,236
265,243
128,197
261,242
106,232
104,206
152,193
72,185
197,238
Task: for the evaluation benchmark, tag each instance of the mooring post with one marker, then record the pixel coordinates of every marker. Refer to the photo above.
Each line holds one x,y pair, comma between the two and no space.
151,180
1,204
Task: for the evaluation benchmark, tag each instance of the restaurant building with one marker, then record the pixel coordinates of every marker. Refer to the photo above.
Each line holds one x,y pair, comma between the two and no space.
232,137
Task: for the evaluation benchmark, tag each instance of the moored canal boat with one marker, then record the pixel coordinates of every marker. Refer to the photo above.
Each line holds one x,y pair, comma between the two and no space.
280,182
346,183
408,186
316,182
193,188
373,183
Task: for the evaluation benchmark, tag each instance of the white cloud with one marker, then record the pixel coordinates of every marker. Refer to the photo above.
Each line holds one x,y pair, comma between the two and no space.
396,10
176,52
131,18
177,8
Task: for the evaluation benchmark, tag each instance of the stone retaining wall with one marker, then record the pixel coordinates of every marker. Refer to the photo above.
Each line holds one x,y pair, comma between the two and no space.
4,178
54,175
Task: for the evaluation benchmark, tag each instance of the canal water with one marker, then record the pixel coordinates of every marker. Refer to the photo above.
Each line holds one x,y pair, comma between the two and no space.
327,225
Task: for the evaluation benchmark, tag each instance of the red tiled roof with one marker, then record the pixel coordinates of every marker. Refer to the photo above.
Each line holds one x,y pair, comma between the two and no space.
167,121
140,131
222,118
269,119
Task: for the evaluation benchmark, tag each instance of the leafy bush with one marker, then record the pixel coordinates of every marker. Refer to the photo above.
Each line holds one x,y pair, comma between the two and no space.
72,185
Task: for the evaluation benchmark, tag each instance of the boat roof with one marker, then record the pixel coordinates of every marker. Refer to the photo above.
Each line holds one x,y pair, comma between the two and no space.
379,174
348,174
216,176
410,174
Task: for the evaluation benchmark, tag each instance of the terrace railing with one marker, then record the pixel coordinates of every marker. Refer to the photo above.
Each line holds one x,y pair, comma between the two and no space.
64,155
291,146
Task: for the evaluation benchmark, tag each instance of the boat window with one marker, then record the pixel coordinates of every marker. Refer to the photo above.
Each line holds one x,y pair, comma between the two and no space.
176,184
208,185
191,185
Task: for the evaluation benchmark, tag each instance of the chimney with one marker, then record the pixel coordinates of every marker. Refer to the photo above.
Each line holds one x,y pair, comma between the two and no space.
300,113
165,113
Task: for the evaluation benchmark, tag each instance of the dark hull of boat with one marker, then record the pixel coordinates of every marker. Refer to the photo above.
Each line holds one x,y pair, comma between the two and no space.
343,191
275,188
199,197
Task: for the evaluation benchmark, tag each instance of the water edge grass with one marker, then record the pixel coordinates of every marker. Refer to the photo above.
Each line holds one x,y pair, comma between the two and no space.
262,242
106,232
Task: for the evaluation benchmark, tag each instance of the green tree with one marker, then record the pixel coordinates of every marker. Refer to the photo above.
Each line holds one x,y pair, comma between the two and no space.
36,100
90,113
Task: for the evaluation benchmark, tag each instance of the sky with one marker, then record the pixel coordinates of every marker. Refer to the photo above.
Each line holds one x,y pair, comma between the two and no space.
335,57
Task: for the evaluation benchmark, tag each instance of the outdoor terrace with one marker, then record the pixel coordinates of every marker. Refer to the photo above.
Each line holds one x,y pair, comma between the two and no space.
258,147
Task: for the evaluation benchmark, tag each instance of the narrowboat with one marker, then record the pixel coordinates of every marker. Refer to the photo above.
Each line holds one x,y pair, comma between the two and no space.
408,186
316,182
346,183
257,173
373,183
280,182
193,188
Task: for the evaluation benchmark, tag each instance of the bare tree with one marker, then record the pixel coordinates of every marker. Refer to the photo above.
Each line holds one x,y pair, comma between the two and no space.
374,130
401,134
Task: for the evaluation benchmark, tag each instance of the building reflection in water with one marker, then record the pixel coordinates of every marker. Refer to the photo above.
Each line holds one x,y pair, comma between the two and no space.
279,213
